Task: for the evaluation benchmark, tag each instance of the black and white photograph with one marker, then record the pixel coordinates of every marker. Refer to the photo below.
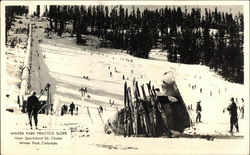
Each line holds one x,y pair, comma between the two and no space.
124,77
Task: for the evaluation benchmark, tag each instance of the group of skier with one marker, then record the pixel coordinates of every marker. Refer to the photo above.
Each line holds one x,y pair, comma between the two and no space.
233,109
72,108
33,108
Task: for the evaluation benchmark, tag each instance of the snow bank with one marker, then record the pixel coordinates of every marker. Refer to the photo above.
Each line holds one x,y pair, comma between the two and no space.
26,68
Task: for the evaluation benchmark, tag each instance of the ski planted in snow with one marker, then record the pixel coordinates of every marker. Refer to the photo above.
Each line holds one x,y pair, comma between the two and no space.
100,116
160,109
152,115
89,115
145,104
135,108
129,113
142,111
125,109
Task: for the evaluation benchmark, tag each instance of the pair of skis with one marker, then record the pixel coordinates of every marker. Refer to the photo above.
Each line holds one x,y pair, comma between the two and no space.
140,115
127,111
131,117
157,108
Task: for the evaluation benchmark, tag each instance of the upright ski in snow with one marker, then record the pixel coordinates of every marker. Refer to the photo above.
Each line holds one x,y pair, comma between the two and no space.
125,109
163,115
153,118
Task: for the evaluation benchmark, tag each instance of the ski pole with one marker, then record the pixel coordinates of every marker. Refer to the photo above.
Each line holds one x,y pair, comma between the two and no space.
100,116
39,98
89,115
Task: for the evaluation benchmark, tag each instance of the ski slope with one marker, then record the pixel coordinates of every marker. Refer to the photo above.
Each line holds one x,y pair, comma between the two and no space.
62,63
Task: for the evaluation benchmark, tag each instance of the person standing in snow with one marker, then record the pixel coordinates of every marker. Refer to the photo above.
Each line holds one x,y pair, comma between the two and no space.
198,111
33,108
62,110
65,108
101,109
76,110
242,108
72,108
232,108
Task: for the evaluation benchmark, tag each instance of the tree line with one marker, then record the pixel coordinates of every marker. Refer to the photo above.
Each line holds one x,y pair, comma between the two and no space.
212,38
10,13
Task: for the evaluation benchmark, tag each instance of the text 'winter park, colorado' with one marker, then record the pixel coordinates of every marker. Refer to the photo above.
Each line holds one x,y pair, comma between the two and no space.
39,138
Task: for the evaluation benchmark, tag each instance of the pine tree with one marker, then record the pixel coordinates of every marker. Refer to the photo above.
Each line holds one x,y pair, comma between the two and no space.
38,11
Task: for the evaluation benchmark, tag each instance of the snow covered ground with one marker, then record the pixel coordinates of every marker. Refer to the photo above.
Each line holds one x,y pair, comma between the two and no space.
62,63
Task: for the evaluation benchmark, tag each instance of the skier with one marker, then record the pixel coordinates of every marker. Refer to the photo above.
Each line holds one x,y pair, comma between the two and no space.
242,108
51,108
198,111
64,107
112,103
232,108
62,110
72,108
101,109
33,108
76,110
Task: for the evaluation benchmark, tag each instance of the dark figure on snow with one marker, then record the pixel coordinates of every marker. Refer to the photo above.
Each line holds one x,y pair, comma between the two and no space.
232,108
76,110
72,108
198,111
101,109
112,103
62,110
242,108
33,108
211,93
65,109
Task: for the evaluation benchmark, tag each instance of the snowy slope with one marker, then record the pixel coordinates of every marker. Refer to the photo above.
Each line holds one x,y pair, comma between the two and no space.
62,63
